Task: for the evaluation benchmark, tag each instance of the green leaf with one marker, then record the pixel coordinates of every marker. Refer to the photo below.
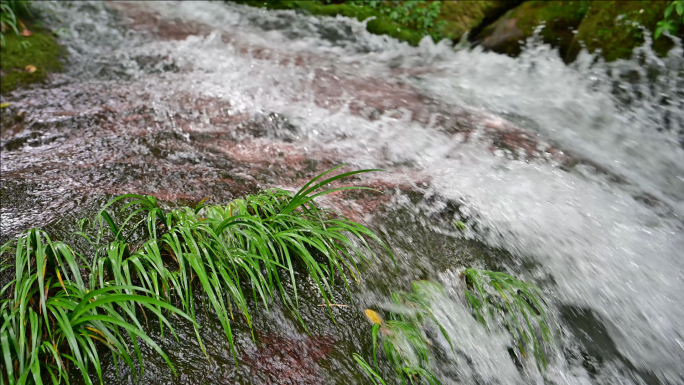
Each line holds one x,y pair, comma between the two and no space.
112,225
669,9
374,376
4,342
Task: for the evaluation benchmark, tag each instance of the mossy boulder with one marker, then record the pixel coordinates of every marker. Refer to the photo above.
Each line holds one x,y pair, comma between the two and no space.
560,19
40,51
462,16
614,27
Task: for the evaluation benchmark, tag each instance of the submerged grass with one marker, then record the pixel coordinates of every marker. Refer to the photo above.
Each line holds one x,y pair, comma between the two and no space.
492,296
60,307
403,339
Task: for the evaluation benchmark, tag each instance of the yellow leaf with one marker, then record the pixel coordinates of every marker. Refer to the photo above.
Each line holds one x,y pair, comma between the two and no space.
30,69
5,105
96,331
97,338
373,317
59,277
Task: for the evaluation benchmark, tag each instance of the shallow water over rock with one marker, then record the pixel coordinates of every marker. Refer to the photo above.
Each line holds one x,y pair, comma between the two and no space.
571,177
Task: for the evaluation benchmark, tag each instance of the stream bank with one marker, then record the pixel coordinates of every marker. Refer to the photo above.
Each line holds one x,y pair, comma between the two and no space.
30,54
613,28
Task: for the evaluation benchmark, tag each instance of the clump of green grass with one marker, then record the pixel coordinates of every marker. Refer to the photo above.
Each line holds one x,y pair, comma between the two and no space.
52,319
249,246
494,296
671,21
251,240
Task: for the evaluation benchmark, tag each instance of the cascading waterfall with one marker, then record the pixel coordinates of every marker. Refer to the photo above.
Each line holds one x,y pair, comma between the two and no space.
596,204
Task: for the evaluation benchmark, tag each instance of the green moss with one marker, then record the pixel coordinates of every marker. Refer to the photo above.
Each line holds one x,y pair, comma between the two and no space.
601,28
43,52
560,17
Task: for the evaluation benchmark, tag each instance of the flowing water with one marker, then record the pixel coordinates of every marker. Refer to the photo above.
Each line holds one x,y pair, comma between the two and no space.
571,177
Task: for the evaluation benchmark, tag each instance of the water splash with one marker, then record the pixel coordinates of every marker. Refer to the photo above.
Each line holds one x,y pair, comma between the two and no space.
604,225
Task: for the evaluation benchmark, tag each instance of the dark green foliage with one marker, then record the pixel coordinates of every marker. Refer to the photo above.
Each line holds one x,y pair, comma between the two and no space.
61,306
673,18
20,8
420,15
8,19
10,12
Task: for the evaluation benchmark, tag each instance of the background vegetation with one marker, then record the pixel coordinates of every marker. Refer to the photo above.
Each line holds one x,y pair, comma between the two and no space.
614,27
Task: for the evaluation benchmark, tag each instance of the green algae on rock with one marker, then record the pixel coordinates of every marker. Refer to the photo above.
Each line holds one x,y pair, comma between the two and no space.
616,28
39,50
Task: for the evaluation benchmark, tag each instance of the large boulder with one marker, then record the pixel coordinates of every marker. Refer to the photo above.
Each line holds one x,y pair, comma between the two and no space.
462,16
560,19
615,27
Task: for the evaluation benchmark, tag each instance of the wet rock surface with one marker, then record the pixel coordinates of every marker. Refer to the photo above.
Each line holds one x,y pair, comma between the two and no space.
115,137
287,360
